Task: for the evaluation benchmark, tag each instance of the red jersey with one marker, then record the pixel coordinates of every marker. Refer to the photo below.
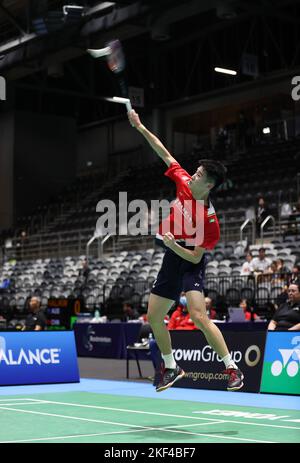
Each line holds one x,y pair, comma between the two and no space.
192,214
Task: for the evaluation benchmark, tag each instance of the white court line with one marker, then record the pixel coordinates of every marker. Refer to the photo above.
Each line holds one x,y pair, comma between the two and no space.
98,434
10,399
138,426
98,407
22,403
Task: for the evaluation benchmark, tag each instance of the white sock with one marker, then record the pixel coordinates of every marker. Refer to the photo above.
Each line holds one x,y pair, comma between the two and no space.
169,361
229,363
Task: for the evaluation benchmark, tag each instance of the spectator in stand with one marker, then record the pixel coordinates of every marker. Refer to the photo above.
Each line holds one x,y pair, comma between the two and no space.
250,315
287,316
210,311
296,208
180,319
129,312
282,297
273,267
84,272
261,263
5,284
273,272
281,268
285,211
261,212
295,278
36,320
286,218
247,267
293,228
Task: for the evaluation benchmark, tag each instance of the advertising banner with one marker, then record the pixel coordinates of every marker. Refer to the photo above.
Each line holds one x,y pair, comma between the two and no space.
204,368
38,357
281,369
105,340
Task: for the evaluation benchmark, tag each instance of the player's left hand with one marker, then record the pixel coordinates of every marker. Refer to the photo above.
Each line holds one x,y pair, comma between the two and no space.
169,240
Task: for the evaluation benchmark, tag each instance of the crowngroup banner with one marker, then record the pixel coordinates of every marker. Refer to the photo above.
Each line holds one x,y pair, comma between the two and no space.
38,357
204,368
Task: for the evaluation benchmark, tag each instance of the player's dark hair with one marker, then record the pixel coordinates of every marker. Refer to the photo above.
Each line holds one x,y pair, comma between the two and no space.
215,171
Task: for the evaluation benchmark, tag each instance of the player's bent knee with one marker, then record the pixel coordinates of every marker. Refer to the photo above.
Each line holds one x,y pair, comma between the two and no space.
200,320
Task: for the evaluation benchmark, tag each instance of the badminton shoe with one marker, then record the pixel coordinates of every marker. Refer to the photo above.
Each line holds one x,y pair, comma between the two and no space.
169,376
235,379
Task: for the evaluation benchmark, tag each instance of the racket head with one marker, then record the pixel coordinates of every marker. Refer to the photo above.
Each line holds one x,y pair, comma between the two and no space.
116,58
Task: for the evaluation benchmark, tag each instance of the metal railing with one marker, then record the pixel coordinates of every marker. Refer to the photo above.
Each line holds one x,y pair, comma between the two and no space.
45,245
262,227
244,225
101,241
261,292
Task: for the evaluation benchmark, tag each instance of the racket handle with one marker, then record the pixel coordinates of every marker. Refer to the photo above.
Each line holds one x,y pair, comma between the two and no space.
125,101
128,106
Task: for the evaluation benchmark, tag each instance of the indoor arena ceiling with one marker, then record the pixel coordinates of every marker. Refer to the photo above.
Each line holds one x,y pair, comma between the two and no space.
128,18
171,47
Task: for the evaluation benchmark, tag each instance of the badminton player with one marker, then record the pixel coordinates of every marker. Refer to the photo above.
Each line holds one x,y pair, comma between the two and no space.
183,266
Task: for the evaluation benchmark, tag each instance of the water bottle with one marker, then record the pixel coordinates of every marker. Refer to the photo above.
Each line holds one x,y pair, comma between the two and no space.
150,339
97,315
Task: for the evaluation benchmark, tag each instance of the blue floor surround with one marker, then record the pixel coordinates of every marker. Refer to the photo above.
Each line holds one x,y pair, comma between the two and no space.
137,389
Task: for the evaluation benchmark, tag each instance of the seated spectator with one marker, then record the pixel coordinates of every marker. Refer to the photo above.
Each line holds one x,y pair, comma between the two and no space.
273,267
36,319
274,277
261,263
295,278
250,315
210,311
285,211
180,319
287,316
129,312
281,268
296,208
84,272
294,219
282,297
5,284
247,267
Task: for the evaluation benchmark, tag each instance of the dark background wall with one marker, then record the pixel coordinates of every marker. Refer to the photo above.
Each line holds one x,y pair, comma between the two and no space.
45,154
6,169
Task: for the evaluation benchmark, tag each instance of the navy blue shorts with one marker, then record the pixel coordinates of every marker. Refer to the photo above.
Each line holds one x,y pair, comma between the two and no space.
177,275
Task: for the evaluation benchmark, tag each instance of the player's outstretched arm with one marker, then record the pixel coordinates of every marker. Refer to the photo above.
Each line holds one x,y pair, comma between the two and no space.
153,141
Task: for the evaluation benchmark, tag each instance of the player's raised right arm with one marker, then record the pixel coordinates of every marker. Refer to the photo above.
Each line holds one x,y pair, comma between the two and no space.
153,141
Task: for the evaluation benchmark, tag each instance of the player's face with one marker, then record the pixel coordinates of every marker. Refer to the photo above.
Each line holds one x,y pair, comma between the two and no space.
199,180
33,303
293,293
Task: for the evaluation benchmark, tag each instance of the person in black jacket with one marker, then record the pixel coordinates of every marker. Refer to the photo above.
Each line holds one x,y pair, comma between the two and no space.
261,212
36,319
287,316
